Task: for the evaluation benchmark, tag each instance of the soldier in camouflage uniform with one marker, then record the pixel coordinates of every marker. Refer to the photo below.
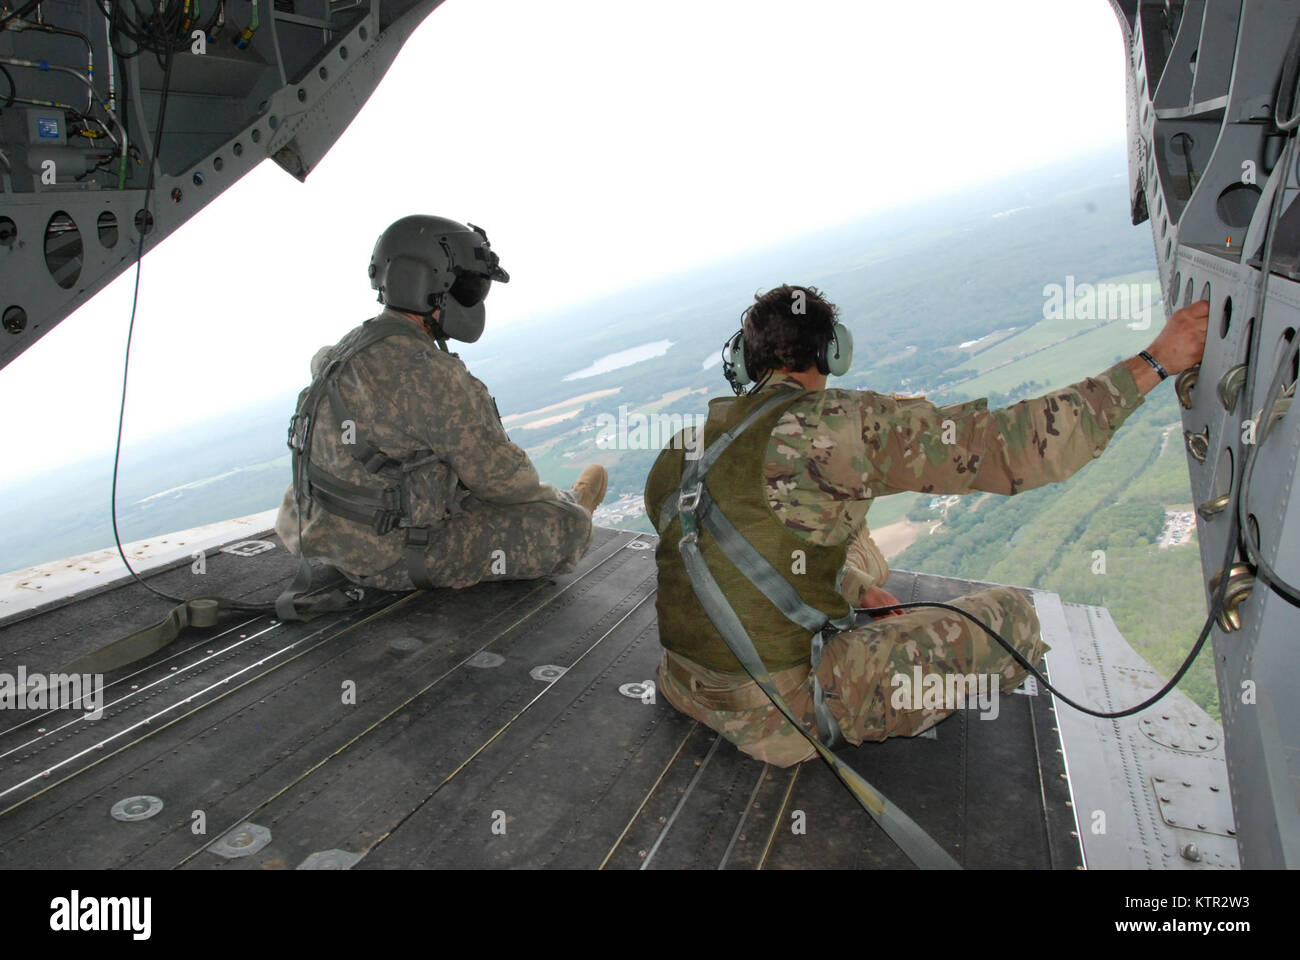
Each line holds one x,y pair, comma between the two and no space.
818,462
410,418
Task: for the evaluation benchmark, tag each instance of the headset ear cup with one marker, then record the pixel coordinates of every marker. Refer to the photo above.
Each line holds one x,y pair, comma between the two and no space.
740,369
823,365
839,353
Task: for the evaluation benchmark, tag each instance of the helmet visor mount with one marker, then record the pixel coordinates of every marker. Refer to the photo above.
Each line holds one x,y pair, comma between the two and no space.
474,266
470,289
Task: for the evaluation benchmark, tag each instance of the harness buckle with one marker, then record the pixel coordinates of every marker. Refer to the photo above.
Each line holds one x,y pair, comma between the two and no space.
688,500
297,440
390,514
417,536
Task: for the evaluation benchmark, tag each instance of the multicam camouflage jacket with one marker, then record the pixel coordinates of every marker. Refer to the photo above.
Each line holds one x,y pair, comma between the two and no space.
834,451
408,398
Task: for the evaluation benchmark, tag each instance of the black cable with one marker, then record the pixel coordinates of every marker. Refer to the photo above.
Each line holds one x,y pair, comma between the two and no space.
144,228
1263,569
155,31
1020,658
13,90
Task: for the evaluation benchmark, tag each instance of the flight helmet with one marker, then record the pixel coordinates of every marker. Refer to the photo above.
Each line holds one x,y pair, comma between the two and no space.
421,263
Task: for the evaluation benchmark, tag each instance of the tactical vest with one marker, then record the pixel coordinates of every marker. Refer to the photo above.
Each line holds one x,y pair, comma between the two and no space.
736,484
384,504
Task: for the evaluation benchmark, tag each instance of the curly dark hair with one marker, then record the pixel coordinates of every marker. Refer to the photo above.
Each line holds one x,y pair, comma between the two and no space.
785,327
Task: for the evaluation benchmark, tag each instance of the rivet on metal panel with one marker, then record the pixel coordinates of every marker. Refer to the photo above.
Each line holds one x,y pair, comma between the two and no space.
136,808
245,839
548,672
330,860
1189,852
405,644
485,660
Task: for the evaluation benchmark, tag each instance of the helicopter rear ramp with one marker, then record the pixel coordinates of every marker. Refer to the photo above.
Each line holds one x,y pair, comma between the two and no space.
511,725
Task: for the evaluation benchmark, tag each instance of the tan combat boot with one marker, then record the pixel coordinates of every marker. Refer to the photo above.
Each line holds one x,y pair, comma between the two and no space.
590,488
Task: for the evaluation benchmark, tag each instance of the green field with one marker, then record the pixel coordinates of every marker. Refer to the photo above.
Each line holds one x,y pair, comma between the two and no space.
1062,364
1045,333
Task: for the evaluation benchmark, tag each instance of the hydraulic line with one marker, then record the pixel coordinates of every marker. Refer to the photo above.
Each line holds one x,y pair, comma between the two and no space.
45,67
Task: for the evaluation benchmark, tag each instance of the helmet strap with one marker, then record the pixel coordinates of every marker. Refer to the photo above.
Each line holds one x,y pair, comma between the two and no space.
434,327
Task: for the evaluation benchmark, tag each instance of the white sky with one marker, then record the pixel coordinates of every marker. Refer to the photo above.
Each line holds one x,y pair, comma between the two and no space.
600,144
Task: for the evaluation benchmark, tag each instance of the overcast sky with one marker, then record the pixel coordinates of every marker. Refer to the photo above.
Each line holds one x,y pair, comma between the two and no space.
600,144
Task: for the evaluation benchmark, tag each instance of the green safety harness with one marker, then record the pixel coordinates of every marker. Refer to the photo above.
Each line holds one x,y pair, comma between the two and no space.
383,506
313,592
698,511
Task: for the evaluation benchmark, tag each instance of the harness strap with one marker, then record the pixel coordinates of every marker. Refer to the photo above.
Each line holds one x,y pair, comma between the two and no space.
198,612
414,549
381,510
695,507
700,465
919,846
784,597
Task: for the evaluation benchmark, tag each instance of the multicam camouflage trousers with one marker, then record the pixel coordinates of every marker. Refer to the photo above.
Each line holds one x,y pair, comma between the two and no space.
498,541
858,673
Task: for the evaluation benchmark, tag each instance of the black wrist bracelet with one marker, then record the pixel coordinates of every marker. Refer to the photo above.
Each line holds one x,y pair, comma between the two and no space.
1155,365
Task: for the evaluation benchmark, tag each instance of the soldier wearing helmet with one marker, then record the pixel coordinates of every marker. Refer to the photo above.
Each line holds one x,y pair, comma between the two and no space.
402,472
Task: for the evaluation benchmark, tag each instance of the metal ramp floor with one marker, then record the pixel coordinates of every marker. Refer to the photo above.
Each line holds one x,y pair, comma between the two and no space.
479,728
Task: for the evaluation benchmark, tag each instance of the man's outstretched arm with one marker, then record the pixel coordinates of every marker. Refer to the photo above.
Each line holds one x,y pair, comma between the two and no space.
966,447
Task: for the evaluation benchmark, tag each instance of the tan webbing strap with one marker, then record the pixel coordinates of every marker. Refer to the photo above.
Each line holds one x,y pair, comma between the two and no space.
199,612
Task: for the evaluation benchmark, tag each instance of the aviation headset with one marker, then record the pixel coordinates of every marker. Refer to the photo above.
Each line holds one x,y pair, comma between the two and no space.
833,360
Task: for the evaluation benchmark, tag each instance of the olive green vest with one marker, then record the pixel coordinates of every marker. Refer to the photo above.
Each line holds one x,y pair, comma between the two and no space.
736,484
